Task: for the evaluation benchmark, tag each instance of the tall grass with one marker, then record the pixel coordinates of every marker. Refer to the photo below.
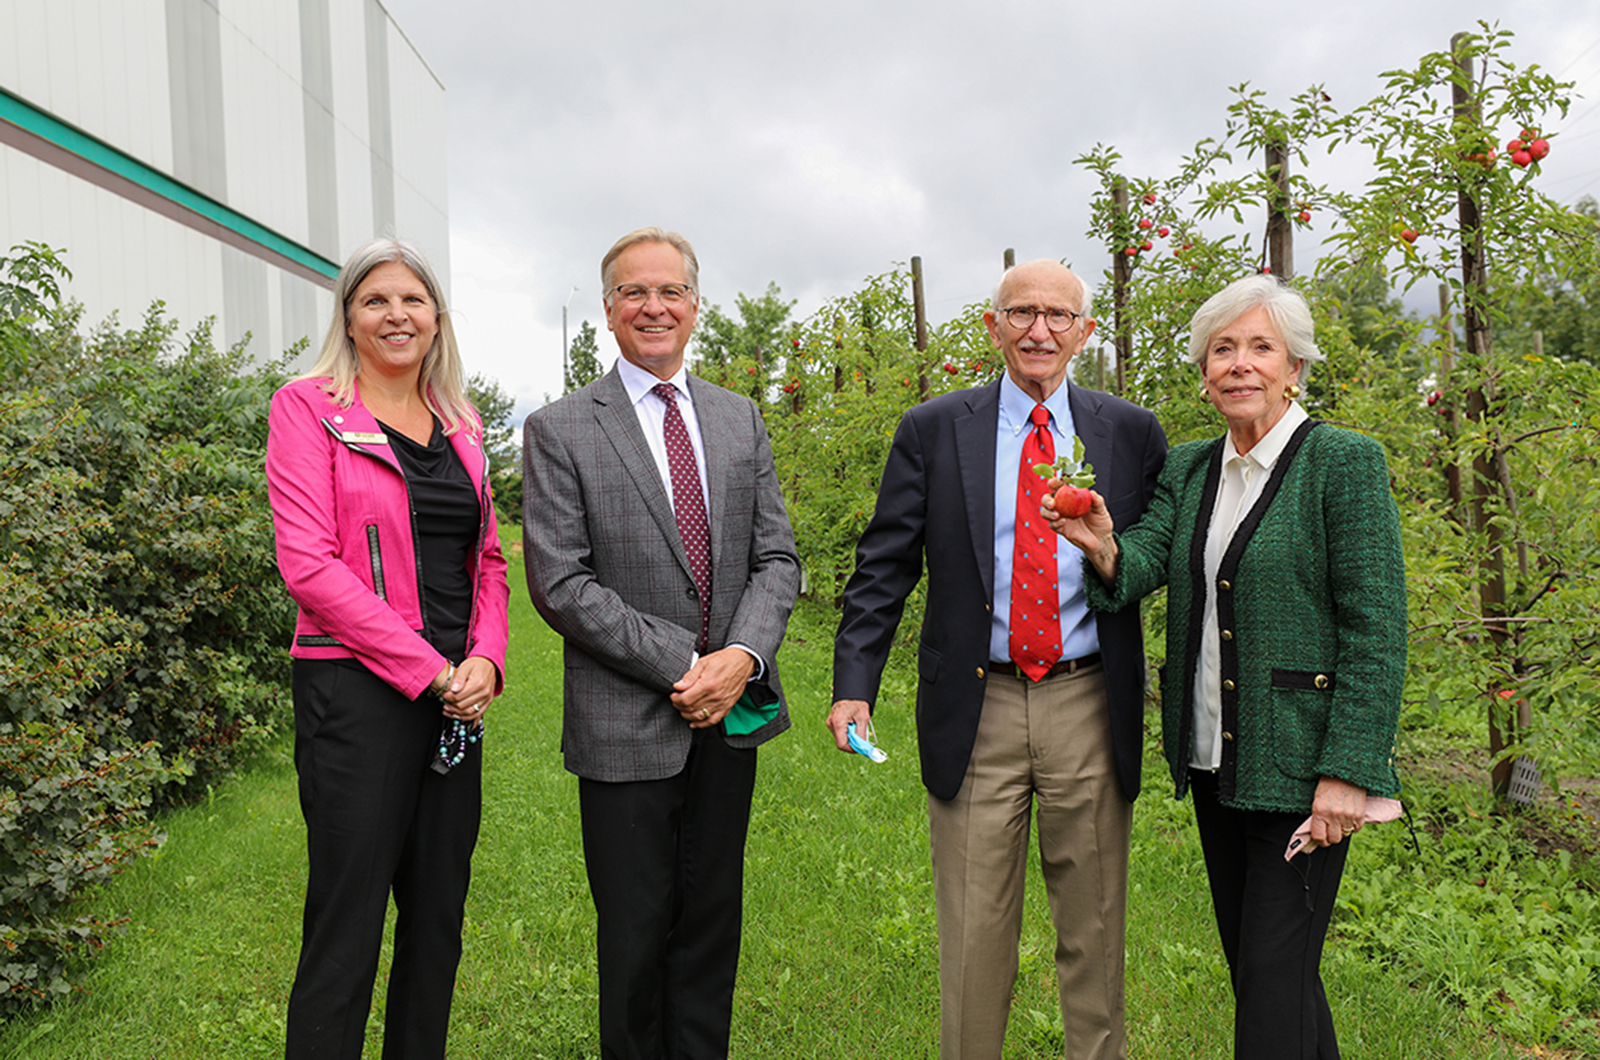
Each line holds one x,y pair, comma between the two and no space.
839,955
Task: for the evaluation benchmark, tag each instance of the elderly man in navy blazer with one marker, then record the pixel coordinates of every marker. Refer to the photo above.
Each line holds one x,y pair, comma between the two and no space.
658,546
1026,702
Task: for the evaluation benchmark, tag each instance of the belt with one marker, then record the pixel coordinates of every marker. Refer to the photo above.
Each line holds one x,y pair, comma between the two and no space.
1065,666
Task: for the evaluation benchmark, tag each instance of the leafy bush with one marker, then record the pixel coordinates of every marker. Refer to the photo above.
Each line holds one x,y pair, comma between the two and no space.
142,639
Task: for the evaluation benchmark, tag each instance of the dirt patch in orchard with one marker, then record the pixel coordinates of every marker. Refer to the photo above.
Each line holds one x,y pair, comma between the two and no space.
1568,819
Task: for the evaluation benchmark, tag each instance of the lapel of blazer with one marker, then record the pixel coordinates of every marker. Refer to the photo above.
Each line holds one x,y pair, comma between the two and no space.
975,445
620,424
718,439
1095,430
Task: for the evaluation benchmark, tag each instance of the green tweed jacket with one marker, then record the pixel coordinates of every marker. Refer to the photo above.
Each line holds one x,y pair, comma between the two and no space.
1311,601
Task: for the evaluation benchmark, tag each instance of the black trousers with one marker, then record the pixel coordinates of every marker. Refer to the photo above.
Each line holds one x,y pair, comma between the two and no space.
378,820
1273,917
666,868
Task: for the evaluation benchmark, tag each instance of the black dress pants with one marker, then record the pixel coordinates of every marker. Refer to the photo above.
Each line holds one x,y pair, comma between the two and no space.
378,820
665,860
1273,916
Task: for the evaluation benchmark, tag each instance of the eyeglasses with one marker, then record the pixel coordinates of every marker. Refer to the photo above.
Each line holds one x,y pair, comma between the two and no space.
1057,320
671,294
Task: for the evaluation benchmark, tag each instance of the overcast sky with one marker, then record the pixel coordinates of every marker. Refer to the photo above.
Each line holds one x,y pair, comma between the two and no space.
815,144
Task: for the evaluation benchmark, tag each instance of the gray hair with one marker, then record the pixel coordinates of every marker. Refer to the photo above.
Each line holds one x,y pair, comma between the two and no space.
1085,303
442,380
1286,308
691,264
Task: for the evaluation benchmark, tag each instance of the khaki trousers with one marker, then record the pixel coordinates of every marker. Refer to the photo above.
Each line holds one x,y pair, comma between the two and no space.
1047,744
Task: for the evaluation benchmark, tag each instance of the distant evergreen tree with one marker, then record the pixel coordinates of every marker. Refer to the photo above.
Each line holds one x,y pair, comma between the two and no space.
501,444
583,359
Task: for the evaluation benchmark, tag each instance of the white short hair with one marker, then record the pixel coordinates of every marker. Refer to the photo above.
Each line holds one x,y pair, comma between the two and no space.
1285,307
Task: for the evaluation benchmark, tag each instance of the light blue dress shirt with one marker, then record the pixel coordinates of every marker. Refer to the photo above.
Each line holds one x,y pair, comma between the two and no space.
1080,636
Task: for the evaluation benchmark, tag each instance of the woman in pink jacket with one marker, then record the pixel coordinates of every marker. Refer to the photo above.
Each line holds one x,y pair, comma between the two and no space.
387,541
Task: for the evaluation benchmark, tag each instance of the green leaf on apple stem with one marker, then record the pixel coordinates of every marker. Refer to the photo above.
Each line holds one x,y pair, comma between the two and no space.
1069,469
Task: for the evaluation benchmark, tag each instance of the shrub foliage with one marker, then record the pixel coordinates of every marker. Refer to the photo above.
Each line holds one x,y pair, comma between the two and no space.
144,622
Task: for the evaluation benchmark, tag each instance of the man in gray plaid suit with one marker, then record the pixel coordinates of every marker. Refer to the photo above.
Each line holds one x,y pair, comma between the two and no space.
658,546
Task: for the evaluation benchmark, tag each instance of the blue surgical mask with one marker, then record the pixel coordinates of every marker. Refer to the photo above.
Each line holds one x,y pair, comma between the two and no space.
864,747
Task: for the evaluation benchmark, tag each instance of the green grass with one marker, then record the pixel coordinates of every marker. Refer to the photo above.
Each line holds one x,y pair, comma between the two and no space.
839,958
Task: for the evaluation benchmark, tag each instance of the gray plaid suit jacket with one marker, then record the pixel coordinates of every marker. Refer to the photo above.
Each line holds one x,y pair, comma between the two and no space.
607,570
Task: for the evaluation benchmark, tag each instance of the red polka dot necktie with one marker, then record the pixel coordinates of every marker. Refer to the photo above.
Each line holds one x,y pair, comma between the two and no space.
1035,597
688,503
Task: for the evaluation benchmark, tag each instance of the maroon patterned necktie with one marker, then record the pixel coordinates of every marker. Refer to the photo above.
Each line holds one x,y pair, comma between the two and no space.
1035,595
688,503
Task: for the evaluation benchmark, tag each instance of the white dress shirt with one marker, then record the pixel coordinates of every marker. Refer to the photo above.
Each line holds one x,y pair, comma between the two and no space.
652,413
1243,480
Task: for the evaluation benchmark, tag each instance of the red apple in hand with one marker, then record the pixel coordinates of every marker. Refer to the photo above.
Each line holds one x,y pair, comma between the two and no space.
1073,503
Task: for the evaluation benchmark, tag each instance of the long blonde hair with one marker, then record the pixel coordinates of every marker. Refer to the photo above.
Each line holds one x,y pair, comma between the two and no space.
442,379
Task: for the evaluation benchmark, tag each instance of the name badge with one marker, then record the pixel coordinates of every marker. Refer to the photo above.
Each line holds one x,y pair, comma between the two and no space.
364,437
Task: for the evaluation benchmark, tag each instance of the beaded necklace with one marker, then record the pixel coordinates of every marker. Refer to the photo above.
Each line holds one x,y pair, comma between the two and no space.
454,737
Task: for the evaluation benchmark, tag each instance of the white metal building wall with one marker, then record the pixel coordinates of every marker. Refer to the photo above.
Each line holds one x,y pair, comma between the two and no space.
316,120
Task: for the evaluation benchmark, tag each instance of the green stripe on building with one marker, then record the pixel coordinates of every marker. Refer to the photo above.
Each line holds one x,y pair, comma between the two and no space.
42,125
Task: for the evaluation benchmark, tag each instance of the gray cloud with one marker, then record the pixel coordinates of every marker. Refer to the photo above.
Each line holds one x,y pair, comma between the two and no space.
817,144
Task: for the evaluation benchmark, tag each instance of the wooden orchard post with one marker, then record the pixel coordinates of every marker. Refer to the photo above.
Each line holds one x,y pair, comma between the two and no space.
1479,341
1280,233
1121,335
919,311
919,307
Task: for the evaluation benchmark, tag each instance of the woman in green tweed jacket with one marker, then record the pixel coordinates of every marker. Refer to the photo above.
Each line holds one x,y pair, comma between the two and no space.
1279,544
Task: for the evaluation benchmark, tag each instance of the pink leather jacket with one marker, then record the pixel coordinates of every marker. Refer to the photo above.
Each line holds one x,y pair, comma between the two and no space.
347,546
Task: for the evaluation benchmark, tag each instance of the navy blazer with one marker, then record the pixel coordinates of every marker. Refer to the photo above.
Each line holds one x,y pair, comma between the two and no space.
936,499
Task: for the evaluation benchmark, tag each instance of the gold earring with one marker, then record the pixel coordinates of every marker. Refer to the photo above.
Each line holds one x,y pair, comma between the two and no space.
1205,398
1292,391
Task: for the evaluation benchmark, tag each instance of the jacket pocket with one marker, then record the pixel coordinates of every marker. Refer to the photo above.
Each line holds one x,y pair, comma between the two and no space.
376,556
1301,703
929,663
1309,680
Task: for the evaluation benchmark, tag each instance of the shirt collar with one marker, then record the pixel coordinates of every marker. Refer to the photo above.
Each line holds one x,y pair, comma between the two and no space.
1264,454
1016,406
638,382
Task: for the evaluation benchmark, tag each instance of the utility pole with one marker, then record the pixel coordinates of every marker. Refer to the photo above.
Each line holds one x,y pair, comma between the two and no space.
564,337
